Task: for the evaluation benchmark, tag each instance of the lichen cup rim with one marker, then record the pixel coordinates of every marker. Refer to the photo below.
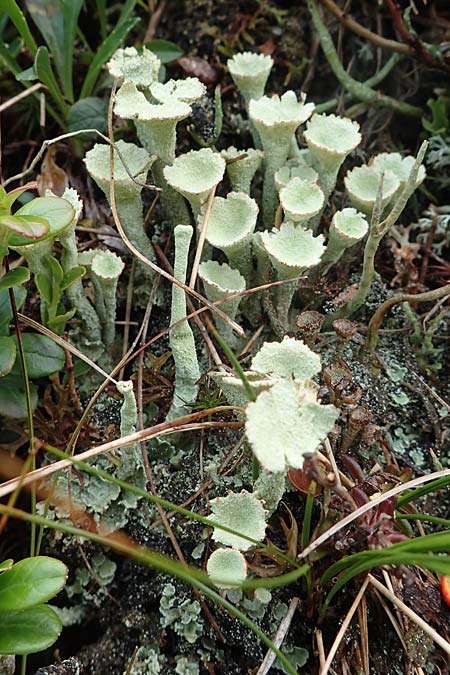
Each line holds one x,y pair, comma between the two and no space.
399,165
220,276
137,159
144,66
294,169
350,223
244,220
273,111
107,265
368,196
130,103
301,199
332,141
278,244
250,64
195,172
188,90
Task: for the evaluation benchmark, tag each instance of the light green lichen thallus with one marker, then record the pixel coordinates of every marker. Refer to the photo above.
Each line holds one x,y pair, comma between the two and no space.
289,358
286,422
131,455
301,200
231,224
91,327
181,338
189,90
242,166
346,229
194,175
227,567
400,167
250,72
140,68
155,122
130,173
156,125
276,120
242,512
107,267
221,281
291,250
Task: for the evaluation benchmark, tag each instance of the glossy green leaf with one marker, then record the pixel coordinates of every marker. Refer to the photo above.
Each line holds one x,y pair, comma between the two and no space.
7,199
28,631
24,230
112,42
6,314
27,75
6,565
126,11
45,74
88,113
57,22
13,401
15,277
55,269
58,212
165,50
59,321
31,582
71,276
44,286
42,355
7,354
16,15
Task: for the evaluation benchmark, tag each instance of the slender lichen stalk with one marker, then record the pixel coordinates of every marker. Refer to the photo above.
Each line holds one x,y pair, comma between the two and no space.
131,455
181,338
378,229
77,297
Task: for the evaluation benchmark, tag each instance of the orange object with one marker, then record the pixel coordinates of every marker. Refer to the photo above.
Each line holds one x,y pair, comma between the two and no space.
445,588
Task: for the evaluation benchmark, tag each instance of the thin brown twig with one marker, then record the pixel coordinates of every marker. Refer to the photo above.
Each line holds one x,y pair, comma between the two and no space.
184,423
202,238
349,22
23,94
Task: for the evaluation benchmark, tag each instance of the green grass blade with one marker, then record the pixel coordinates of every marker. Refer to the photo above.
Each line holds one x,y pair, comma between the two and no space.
112,42
14,12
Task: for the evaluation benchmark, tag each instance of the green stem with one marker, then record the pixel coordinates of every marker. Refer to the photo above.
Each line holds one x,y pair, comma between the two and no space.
326,106
357,89
423,517
377,318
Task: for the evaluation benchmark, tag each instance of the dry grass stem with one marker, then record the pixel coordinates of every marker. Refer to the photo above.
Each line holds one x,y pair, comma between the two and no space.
434,635
343,629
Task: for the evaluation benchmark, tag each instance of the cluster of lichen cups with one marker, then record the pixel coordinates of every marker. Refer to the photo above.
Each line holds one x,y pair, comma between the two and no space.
244,250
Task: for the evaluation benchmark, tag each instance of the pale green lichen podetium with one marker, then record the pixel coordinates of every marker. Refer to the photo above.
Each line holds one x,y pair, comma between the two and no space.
130,455
91,326
181,338
276,120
